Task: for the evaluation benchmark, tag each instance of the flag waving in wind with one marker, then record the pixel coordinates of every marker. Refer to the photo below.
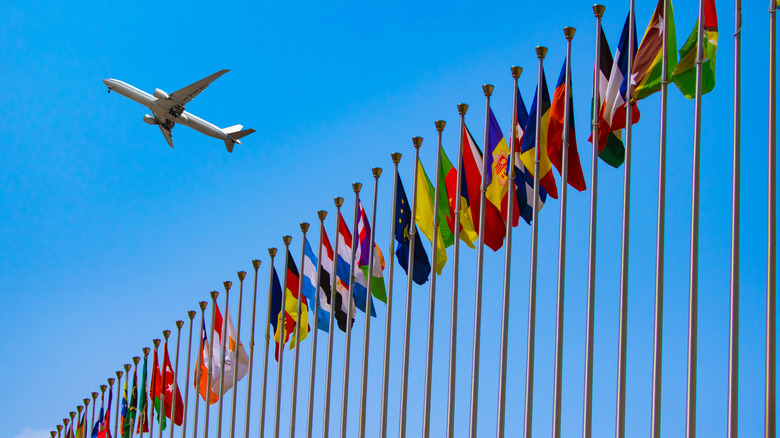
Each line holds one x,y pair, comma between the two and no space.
647,69
235,359
362,258
338,300
450,176
528,149
684,75
403,224
205,359
424,216
171,392
524,180
555,134
312,285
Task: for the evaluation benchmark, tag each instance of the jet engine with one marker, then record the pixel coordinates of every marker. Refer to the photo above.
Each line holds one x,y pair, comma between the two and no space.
149,119
160,94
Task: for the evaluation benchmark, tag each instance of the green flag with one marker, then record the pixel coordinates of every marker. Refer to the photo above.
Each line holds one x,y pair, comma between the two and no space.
424,217
684,75
142,423
127,426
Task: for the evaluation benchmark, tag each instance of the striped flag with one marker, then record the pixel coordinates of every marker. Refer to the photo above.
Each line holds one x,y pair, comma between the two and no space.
309,289
362,257
647,68
205,358
556,130
524,180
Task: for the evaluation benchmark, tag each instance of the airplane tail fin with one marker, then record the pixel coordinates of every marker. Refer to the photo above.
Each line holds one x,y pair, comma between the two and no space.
235,135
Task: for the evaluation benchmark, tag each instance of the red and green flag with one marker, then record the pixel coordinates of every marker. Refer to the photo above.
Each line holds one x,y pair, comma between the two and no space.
684,75
647,69
156,391
143,405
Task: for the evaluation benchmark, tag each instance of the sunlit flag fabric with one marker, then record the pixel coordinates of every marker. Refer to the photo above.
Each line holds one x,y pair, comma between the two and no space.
424,216
528,148
123,410
684,75
450,175
143,405
104,431
156,391
129,411
278,317
403,224
309,290
497,184
291,303
647,68
339,300
555,134
612,116
81,430
69,431
205,358
362,257
235,359
524,180
344,258
471,191
171,392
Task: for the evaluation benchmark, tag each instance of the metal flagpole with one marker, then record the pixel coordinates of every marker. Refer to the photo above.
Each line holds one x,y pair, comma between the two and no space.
321,214
771,298
241,276
65,422
326,409
162,414
488,90
620,426
693,305
396,157
210,371
416,141
199,373
256,265
191,314
127,367
462,108
541,51
655,423
299,309
432,292
150,401
174,384
350,302
376,171
587,408
733,408
79,408
116,406
223,353
59,430
281,321
136,359
510,171
72,415
92,421
142,415
272,253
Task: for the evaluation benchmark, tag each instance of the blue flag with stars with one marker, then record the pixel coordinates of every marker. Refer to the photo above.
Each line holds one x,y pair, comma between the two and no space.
403,222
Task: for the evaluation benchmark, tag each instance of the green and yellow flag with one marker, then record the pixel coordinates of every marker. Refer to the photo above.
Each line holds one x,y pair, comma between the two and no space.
648,62
684,75
424,216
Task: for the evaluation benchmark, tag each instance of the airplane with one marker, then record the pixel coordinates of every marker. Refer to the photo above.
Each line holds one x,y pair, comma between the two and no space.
168,109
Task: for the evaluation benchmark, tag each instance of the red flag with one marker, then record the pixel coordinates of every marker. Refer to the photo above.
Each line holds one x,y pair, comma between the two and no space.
555,134
169,389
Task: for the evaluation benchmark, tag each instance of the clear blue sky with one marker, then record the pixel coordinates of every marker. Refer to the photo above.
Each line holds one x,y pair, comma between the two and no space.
108,236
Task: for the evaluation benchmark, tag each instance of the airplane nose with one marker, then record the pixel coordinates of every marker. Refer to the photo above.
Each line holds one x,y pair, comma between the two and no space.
105,81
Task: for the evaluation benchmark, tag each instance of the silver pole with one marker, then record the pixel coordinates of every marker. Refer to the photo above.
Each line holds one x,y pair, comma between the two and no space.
620,427
150,401
256,265
587,405
241,276
541,51
118,396
396,157
771,298
733,405
417,141
92,421
299,309
462,109
127,368
272,253
510,170
198,375
223,351
281,319
655,422
694,267
162,414
488,90
179,325
350,302
210,372
328,368
191,314
376,171
321,215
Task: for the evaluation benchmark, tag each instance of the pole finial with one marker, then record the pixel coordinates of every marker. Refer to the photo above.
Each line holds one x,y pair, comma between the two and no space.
146,351
136,359
376,171
256,264
304,227
191,314
462,108
103,388
598,10
65,421
272,252
72,414
322,214
53,433
128,367
228,284
119,375
286,240
396,156
417,141
568,32
94,395
488,89
214,294
203,305
59,428
166,334
339,201
541,52
439,125
110,381
179,324
241,275
80,408
356,186
156,343
516,71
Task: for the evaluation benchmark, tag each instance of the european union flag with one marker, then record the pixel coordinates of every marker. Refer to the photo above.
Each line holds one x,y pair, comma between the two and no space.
403,220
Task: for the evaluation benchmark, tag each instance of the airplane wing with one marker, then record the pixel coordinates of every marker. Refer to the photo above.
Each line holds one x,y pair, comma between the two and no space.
186,94
165,127
167,133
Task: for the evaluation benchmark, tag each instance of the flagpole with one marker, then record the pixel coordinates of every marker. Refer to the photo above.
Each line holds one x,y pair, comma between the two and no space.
771,298
162,414
92,421
210,374
376,171
396,157
72,415
65,422
191,314
116,408
620,427
541,52
326,409
198,373
79,408
256,265
241,275
655,423
223,340
299,309
462,108
281,321
321,214
510,170
142,415
416,141
174,383
432,291
350,302
733,400
59,430
694,267
488,90
272,254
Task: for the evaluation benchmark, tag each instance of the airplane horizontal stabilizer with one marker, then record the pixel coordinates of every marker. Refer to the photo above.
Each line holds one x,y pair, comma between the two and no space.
234,138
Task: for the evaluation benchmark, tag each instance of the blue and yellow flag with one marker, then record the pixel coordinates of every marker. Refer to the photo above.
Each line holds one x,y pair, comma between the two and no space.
528,149
403,224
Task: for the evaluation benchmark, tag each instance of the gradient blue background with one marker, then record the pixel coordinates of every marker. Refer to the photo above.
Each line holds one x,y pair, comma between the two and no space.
108,236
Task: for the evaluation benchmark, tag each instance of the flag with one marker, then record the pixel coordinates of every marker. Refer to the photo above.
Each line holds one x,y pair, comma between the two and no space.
339,300
205,358
497,184
448,175
647,67
143,425
528,148
291,303
156,391
362,257
471,179
69,431
524,180
309,280
129,410
234,358
80,430
123,410
104,431
612,115
171,392
684,75
425,205
403,222
555,134
344,260
278,318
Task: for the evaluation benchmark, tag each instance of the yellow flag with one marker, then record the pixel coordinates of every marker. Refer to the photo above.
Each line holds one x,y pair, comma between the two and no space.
424,216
